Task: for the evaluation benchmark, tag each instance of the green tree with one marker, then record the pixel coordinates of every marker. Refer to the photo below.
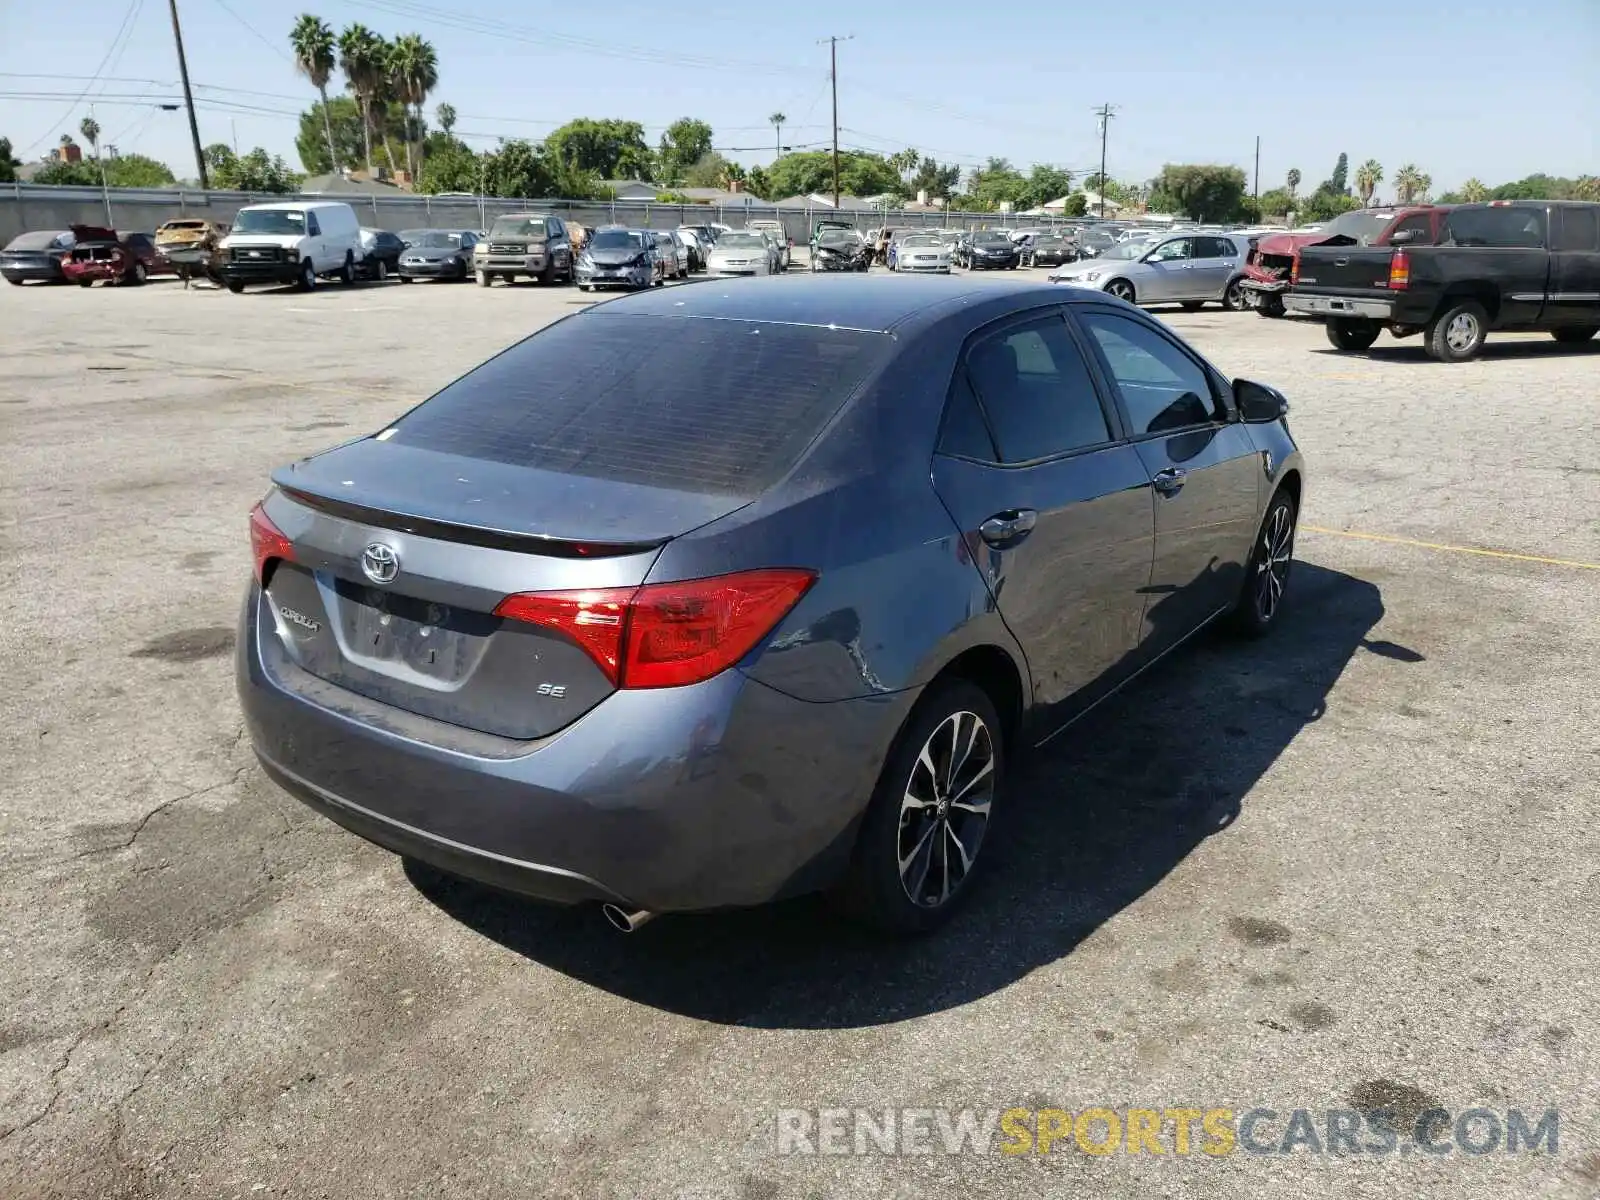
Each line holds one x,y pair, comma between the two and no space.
808,171
777,120
1293,180
1047,183
341,119
126,170
445,114
1368,176
758,185
363,59
997,183
710,170
1586,187
939,181
1276,202
1203,192
1324,205
8,164
1409,183
450,167
1339,180
90,129
518,169
256,171
315,56
1077,205
1538,186
414,73
609,149
1473,191
685,143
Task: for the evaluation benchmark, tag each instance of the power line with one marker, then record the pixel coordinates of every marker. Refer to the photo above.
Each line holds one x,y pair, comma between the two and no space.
268,43
127,20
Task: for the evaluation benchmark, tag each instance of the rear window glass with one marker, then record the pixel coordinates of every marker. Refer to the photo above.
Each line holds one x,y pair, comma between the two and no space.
723,407
1522,227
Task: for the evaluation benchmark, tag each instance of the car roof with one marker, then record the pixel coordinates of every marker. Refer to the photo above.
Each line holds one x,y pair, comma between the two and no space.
872,303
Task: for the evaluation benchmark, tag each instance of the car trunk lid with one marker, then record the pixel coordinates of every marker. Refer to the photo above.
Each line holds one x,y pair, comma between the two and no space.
1344,267
396,559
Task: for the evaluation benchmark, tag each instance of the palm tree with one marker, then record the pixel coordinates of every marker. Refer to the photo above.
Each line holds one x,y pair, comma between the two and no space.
90,128
903,162
315,58
445,114
776,120
1474,190
414,70
1294,180
1409,183
361,59
1368,176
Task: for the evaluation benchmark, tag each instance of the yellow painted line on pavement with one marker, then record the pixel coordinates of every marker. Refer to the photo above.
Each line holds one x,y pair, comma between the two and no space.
1401,541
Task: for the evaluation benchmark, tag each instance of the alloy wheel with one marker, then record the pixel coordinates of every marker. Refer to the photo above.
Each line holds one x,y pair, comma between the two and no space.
1462,332
1272,567
944,811
1121,290
1236,297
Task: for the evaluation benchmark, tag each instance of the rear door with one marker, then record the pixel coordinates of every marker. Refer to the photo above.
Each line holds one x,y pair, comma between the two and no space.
1167,272
1575,266
1507,244
1054,504
1205,470
1215,263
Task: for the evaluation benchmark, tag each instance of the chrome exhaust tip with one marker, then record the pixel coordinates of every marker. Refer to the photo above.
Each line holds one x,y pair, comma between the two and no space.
624,921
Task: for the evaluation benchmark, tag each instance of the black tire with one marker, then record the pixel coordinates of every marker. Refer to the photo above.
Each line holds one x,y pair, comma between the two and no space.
1572,336
347,273
547,276
235,286
1193,305
485,279
1266,576
1457,334
380,272
1122,290
1269,304
308,276
875,889
401,278
136,276
1234,297
1352,334
13,281
85,283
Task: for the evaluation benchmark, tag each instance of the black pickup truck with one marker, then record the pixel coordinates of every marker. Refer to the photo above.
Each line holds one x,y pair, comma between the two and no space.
1512,265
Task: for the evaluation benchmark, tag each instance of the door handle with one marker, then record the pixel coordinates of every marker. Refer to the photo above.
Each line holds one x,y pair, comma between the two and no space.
1169,481
1008,528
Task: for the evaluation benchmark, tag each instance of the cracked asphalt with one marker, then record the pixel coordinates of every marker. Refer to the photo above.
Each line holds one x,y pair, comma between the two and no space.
1354,865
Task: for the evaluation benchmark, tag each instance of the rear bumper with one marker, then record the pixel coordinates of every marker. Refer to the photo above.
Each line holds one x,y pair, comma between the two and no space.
1304,305
1266,287
723,794
92,271
32,270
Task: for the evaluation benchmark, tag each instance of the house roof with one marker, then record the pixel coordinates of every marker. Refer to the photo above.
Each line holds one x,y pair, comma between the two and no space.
622,187
818,200
721,196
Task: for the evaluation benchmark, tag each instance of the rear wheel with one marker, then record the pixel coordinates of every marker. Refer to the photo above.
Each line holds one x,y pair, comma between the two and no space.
381,272
1352,333
1269,304
137,274
347,272
85,283
1266,578
235,286
1458,333
1235,297
1572,337
1193,305
926,825
1121,289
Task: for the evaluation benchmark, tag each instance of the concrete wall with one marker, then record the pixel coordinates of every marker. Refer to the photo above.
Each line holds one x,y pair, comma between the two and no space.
36,206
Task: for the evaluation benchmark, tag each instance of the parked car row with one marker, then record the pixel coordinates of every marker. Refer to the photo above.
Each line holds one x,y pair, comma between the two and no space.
1186,269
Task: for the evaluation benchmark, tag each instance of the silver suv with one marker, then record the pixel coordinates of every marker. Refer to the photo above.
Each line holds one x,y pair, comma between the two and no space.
533,244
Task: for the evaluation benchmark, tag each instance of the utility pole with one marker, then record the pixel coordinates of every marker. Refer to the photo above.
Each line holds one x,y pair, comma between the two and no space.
188,97
833,76
100,161
1258,177
1105,113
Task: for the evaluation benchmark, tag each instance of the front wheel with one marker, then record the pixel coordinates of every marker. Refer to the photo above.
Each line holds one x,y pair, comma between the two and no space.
1266,577
1576,335
308,276
235,286
347,273
136,275
1235,297
927,823
1193,305
1121,289
483,279
1458,333
1352,334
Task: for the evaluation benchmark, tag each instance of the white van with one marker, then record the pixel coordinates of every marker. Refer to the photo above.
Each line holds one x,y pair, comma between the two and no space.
291,242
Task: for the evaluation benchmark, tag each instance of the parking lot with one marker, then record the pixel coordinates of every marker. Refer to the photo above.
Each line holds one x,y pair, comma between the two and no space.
1356,860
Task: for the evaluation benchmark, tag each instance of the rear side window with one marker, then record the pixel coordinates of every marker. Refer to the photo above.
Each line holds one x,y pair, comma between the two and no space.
1418,223
722,407
1522,227
1579,229
1037,391
964,434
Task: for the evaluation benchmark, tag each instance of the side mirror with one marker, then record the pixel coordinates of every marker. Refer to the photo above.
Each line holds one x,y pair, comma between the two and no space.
1257,403
1404,237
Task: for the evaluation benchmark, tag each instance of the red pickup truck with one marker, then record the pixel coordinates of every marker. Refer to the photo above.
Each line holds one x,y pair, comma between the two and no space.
1268,269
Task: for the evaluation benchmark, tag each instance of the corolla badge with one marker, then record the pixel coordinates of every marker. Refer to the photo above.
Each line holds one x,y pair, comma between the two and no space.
380,562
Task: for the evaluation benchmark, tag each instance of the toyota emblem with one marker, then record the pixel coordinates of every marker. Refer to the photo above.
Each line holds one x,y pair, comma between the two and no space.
380,562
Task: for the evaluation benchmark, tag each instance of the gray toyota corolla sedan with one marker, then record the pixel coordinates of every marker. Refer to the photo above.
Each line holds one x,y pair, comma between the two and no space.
707,597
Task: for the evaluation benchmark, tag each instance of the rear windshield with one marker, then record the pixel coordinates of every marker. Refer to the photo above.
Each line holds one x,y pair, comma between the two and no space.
721,407
40,240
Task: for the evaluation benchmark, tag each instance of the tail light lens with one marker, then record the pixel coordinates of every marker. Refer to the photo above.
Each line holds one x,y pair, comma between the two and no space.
1399,270
267,541
667,634
1294,268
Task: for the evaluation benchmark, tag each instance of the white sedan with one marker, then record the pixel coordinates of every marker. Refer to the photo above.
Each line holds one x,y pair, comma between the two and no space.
923,252
740,253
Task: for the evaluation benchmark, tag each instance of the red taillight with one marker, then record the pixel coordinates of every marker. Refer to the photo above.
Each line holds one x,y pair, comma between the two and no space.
268,542
667,634
1294,268
1399,270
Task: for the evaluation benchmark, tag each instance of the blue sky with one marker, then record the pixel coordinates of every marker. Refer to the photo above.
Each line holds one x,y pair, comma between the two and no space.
1467,89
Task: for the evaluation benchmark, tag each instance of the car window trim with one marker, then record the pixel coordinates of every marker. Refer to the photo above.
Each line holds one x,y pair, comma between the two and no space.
1114,422
1212,375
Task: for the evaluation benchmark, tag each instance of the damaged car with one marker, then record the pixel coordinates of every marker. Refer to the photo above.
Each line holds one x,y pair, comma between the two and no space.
100,254
1268,270
190,245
